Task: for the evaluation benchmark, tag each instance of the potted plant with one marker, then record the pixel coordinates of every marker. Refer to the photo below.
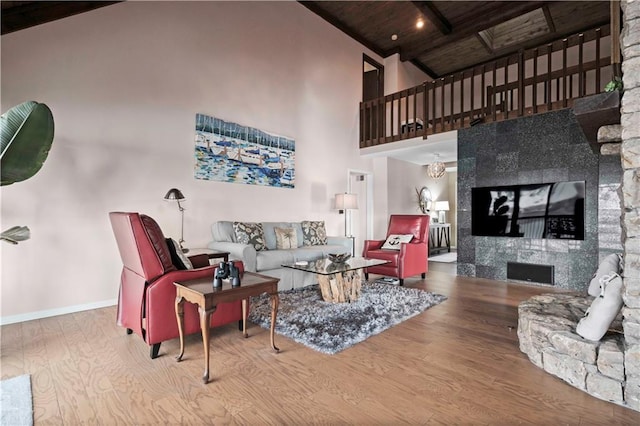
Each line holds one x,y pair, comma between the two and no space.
614,85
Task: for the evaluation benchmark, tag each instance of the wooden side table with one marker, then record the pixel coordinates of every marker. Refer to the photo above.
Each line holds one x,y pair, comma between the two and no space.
439,237
210,253
201,292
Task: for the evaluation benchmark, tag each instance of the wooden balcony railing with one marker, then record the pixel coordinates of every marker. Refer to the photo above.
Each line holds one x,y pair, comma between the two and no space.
531,81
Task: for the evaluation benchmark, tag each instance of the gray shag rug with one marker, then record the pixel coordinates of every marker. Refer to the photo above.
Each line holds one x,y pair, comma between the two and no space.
332,327
16,405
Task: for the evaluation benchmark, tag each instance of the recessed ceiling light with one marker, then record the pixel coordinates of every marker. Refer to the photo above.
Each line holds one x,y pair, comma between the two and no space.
394,37
420,23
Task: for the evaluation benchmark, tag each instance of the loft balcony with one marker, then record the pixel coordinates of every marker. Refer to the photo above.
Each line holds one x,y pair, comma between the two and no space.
549,77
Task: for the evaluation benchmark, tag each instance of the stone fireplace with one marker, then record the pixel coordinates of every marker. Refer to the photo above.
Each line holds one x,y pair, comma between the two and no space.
608,369
630,198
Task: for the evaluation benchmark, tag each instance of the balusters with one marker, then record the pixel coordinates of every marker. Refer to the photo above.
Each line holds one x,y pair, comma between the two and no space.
462,100
564,73
482,89
442,104
451,116
598,84
520,83
548,79
433,104
472,114
500,98
534,92
493,95
581,82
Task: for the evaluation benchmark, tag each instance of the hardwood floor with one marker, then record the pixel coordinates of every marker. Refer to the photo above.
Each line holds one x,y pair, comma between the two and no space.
456,363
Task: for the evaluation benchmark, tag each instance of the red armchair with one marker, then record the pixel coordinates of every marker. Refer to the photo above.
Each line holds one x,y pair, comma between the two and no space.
411,259
146,302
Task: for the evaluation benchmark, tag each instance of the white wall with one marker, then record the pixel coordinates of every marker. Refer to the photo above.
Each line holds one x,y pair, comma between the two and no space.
403,179
380,204
391,65
400,75
124,83
409,75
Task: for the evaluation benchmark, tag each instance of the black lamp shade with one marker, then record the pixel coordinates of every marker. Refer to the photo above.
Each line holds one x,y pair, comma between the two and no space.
174,194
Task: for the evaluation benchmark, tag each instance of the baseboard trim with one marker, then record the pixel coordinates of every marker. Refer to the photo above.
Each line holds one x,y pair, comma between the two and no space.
12,319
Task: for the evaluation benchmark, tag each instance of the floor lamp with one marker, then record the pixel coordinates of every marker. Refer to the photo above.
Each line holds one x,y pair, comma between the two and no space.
174,194
346,202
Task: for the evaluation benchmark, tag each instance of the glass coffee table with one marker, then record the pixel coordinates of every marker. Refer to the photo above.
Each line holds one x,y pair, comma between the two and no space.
340,282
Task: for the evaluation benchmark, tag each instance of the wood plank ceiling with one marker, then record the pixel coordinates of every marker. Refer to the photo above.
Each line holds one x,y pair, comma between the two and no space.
19,15
456,34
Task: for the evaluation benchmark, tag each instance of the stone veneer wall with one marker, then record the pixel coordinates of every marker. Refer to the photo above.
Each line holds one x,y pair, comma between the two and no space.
630,153
609,211
548,147
609,369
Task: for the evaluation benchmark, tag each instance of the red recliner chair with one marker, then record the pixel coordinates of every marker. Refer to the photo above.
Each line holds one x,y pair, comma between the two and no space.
411,259
146,303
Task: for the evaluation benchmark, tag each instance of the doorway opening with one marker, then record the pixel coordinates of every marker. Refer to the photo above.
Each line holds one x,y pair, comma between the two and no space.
372,88
372,79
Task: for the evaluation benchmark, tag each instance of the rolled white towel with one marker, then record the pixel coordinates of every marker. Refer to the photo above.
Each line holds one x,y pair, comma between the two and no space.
610,264
603,309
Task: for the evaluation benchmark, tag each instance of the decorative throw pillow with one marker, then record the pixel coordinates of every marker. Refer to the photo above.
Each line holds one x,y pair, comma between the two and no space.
394,240
179,259
286,238
603,309
314,233
612,264
250,233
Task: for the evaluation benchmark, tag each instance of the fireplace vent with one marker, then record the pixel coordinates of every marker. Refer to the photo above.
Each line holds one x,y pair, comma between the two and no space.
530,272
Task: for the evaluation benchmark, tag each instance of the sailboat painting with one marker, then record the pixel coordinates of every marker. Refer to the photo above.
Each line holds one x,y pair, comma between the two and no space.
229,152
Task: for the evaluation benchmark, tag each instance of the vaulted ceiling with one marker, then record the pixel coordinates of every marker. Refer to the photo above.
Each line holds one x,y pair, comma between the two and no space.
19,15
458,34
455,35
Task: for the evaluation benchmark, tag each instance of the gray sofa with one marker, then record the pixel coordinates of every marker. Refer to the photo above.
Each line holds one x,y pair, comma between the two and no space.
269,261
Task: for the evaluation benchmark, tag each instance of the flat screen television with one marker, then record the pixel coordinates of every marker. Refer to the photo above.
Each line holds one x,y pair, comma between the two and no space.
547,210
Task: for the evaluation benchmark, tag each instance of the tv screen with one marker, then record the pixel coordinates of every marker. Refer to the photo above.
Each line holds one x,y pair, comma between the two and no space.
548,210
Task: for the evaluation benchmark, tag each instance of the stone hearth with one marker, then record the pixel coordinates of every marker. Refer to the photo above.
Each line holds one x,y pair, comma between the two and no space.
546,331
609,369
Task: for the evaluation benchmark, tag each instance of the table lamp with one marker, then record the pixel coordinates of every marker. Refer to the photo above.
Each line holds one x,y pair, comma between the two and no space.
441,208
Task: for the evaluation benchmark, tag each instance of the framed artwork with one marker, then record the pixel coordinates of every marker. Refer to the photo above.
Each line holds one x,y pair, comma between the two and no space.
229,152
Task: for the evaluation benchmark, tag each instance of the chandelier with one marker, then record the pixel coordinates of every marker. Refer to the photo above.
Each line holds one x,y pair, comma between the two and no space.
436,169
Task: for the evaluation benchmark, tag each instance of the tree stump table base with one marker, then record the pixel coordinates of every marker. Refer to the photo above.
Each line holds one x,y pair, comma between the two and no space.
341,287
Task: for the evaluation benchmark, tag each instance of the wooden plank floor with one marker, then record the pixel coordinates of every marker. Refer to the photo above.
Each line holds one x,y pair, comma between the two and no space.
456,363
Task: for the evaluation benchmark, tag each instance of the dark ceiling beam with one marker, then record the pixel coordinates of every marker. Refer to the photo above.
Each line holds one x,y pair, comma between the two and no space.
24,15
434,16
497,14
422,67
549,18
484,43
312,6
